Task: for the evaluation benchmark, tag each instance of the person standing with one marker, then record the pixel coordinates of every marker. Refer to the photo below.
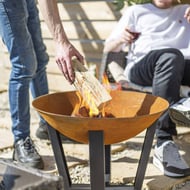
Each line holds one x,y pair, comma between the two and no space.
20,31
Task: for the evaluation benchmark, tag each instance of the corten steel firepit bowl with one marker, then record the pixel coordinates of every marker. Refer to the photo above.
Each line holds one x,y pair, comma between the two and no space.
133,112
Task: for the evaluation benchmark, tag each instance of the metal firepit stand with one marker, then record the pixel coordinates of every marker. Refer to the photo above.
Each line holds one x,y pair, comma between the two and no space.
100,161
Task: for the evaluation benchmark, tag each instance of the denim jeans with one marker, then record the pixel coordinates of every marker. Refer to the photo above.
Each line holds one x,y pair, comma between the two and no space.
20,31
165,70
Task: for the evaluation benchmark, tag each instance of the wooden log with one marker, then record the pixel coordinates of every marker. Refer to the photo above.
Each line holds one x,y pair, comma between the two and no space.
92,91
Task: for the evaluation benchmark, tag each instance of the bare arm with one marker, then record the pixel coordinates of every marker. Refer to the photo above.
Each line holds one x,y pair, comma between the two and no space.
115,45
64,49
112,45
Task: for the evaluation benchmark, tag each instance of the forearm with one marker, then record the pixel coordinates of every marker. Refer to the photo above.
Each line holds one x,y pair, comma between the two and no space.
64,49
113,45
51,16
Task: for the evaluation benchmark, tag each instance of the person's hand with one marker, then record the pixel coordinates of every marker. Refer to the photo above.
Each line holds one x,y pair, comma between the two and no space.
129,36
187,14
65,51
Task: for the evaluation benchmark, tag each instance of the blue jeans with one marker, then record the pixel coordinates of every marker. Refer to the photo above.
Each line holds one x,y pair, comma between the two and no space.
21,32
165,70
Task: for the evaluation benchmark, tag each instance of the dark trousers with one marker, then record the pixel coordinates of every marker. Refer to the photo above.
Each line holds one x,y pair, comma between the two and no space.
165,70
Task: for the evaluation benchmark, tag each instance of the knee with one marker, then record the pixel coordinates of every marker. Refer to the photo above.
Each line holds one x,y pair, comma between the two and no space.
30,70
42,62
175,56
174,59
25,69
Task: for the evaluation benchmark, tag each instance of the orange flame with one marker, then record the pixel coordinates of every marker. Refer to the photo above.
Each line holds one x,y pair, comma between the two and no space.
90,105
106,82
108,86
93,110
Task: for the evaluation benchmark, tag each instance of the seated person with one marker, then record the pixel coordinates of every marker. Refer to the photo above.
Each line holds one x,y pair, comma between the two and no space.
158,38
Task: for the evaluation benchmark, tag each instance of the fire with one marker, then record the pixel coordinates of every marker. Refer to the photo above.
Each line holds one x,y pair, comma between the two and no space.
108,86
88,107
93,109
106,82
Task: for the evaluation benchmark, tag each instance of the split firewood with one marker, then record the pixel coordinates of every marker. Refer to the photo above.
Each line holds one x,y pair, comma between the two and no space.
91,90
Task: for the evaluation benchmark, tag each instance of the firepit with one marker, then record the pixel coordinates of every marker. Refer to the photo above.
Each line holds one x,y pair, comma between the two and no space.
132,112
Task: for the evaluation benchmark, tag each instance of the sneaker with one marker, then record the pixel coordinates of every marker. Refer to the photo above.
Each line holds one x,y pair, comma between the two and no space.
169,161
25,153
42,133
180,112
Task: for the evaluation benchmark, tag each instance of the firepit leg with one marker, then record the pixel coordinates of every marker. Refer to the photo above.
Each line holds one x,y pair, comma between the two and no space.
148,140
59,156
107,164
97,155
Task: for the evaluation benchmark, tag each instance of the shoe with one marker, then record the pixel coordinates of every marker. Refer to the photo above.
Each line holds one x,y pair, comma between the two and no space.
180,112
42,133
25,153
169,161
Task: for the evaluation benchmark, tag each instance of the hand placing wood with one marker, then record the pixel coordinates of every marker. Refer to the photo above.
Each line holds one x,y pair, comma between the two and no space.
92,91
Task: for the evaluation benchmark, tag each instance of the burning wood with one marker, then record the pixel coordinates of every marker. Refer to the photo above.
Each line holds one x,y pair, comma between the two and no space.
85,112
93,93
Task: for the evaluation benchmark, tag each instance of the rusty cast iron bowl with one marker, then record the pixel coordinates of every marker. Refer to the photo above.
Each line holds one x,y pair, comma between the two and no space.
133,112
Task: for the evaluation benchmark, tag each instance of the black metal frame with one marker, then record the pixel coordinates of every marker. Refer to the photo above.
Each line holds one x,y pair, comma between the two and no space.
100,169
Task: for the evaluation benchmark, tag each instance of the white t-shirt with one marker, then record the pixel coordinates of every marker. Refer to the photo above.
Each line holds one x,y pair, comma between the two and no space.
159,28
